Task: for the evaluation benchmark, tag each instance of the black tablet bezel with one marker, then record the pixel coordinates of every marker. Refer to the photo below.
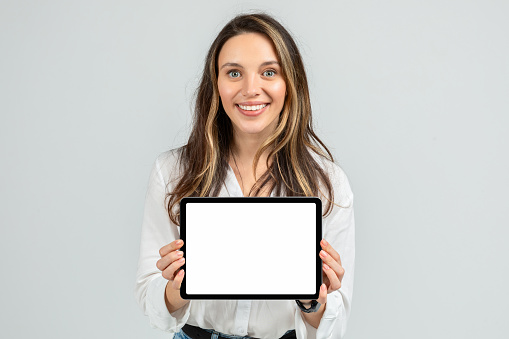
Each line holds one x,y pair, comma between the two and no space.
184,295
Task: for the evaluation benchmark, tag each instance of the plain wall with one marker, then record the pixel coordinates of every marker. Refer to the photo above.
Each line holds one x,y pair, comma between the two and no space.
411,97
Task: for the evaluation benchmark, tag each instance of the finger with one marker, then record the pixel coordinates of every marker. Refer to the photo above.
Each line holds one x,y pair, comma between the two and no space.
322,296
334,281
172,246
169,272
325,278
336,266
329,249
177,282
162,263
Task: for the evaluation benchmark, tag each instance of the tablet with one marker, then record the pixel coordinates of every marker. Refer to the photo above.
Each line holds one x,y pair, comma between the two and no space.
251,247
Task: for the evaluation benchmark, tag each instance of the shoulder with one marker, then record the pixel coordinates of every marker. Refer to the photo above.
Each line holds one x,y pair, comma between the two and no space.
167,164
169,158
343,194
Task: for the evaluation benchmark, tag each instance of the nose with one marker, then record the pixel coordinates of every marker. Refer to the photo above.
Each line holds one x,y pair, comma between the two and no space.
251,85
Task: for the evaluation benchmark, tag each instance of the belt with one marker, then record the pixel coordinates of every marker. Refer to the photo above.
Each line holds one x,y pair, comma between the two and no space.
199,333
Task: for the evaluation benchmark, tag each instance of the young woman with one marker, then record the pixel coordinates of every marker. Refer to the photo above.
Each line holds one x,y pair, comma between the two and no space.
252,136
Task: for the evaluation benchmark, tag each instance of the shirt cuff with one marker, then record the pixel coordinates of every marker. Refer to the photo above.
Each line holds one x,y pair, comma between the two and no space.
329,319
157,311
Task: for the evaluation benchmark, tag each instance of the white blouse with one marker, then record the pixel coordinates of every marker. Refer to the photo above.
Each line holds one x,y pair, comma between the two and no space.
254,318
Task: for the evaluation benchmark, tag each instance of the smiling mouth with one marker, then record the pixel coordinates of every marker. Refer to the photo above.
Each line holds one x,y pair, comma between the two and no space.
252,110
253,107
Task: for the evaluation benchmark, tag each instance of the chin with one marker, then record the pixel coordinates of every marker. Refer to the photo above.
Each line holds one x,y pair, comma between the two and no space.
250,129
255,127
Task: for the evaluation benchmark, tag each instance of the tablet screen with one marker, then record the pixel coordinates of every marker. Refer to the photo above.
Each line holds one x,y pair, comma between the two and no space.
251,247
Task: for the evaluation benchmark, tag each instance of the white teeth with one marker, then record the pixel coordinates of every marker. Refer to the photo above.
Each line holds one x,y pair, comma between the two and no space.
252,108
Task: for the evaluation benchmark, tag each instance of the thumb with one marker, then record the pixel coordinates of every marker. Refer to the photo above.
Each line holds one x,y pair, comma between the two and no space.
322,296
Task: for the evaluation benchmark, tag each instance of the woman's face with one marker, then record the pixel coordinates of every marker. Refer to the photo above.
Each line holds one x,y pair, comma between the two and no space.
251,84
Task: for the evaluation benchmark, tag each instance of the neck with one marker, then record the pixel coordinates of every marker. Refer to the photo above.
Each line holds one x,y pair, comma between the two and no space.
245,147
245,144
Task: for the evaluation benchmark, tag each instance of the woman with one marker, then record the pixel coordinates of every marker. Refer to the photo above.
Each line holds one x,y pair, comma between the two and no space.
252,136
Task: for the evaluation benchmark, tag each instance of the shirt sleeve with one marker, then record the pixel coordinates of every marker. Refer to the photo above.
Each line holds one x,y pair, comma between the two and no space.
157,230
339,231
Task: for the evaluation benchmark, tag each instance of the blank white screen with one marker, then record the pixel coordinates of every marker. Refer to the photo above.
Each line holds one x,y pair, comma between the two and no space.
250,248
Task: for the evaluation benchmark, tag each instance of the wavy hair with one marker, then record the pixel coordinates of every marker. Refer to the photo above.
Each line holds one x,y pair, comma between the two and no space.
203,161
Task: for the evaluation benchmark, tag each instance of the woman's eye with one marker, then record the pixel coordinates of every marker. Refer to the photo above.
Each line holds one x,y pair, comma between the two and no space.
234,74
269,73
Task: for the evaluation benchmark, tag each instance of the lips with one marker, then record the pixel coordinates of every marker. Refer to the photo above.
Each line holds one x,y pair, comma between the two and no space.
252,110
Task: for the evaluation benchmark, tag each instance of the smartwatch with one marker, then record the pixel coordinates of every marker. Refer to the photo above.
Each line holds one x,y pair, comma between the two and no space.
315,305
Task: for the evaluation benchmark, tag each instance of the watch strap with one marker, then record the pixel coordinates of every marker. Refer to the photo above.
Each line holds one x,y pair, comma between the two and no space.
315,306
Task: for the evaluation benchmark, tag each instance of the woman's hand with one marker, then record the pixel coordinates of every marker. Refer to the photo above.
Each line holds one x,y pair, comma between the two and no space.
332,271
171,260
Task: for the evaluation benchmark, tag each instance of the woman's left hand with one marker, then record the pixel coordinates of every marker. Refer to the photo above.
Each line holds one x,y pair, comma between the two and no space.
332,271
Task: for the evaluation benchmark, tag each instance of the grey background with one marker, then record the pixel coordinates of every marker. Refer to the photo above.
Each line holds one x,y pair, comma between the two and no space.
411,97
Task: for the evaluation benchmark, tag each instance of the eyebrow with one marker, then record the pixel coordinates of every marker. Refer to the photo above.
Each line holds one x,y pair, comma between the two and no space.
234,64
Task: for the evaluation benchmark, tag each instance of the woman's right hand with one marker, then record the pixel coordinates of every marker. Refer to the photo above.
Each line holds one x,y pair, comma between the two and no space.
171,260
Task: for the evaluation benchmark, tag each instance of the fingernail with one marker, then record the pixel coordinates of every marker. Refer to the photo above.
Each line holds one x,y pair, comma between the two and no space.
181,273
323,253
326,266
181,260
179,253
324,242
179,242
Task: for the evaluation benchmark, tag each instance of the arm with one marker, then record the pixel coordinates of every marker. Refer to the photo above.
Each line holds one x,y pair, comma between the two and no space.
339,231
157,231
314,318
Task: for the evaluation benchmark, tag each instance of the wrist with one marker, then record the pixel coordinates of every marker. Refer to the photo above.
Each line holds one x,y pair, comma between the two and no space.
173,299
308,306
306,303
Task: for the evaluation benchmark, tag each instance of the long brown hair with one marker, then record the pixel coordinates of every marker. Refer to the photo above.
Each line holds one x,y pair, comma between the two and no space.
203,161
